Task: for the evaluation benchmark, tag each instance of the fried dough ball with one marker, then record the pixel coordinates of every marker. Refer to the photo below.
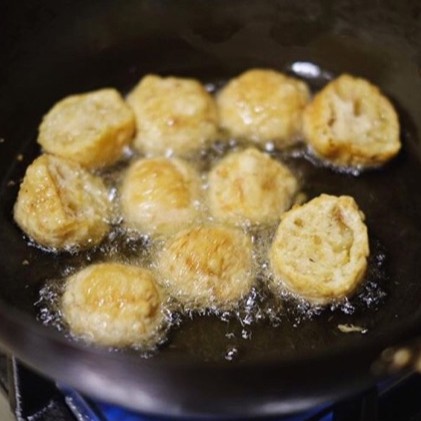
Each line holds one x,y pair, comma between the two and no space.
114,304
92,129
173,115
249,187
61,205
160,195
320,249
263,105
207,266
350,123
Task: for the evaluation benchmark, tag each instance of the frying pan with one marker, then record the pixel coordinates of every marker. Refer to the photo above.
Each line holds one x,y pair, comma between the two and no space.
51,49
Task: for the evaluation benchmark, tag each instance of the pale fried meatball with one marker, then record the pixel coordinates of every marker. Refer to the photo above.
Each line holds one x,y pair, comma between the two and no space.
207,266
249,187
320,249
263,105
61,205
350,123
160,195
92,129
114,304
173,115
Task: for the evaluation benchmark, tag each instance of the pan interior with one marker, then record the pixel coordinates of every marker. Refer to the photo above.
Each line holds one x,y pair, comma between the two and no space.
390,196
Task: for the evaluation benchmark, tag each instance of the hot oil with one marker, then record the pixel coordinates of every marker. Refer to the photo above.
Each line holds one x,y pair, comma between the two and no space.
261,322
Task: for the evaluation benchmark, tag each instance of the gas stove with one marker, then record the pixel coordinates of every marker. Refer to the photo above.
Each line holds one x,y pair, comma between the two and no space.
32,397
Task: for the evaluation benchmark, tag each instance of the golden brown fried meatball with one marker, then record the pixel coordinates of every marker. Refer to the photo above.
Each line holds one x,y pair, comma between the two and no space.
61,206
173,115
114,304
320,249
249,187
263,105
207,266
92,129
160,195
350,123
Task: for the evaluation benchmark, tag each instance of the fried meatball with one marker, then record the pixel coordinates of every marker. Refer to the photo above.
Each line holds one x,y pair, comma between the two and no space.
160,195
207,266
350,123
61,205
173,115
263,105
320,249
92,128
249,187
114,304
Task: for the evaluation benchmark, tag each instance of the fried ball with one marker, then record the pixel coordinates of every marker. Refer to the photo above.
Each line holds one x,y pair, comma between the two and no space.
320,249
249,187
207,266
61,205
114,304
92,129
173,115
160,195
263,105
350,123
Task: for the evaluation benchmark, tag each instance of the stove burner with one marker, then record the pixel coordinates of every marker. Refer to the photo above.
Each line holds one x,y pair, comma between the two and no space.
34,398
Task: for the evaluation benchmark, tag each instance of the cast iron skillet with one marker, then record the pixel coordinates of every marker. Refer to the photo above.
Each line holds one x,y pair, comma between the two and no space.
50,50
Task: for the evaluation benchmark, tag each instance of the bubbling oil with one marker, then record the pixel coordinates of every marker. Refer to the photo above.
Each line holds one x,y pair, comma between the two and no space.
260,305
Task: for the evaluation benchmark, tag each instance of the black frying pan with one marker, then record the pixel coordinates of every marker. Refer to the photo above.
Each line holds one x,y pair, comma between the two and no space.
50,49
